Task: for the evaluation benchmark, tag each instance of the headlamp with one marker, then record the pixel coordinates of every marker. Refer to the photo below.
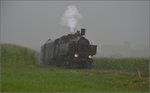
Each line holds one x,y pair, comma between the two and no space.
75,55
90,56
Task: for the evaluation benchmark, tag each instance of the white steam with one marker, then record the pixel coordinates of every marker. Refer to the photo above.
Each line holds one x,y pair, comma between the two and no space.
71,17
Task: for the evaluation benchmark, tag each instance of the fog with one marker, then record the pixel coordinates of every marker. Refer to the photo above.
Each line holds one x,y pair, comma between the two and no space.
118,28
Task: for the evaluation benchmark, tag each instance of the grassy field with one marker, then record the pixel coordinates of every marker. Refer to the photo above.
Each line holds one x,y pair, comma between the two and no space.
107,74
46,79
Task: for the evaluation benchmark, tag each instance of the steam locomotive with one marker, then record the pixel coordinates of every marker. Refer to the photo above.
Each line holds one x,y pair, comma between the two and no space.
72,50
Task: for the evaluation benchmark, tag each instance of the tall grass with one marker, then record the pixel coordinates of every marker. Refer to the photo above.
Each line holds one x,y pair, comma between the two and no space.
17,55
137,65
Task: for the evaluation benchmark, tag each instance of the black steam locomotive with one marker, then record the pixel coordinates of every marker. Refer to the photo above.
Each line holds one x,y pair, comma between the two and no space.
72,50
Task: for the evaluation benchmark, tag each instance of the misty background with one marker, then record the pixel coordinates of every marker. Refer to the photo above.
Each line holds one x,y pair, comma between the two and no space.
118,28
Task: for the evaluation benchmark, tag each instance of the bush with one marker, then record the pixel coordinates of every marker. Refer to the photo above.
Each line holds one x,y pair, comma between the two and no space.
17,55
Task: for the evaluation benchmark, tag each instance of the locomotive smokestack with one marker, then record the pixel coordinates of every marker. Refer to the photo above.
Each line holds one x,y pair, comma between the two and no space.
83,31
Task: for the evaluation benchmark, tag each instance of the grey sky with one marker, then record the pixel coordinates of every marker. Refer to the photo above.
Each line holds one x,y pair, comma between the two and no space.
31,23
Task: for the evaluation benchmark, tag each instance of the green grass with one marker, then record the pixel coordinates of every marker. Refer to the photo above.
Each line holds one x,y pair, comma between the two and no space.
46,79
20,74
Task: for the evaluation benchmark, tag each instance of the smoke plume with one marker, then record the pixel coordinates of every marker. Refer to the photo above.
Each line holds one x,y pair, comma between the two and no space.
71,17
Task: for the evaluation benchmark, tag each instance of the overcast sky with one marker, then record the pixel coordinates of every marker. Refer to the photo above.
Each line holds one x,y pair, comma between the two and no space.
31,23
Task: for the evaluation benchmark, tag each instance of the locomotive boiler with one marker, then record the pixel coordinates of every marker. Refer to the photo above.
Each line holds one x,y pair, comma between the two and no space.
72,50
